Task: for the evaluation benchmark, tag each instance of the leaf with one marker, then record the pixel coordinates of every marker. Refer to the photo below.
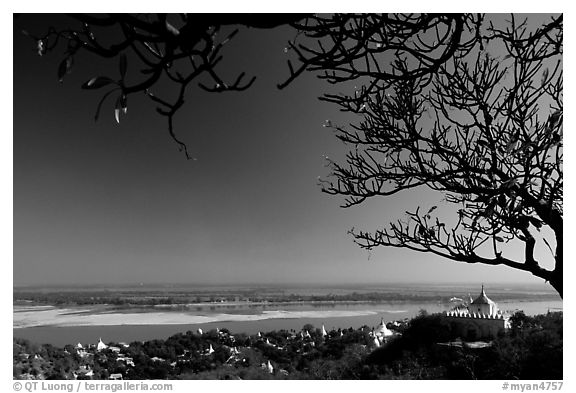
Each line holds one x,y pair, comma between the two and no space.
97,115
61,71
172,29
124,103
432,209
483,143
513,145
118,109
489,210
151,49
65,68
498,239
123,65
41,47
544,76
553,119
421,230
510,183
97,82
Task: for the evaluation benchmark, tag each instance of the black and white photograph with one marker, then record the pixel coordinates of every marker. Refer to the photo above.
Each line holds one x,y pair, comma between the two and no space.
287,196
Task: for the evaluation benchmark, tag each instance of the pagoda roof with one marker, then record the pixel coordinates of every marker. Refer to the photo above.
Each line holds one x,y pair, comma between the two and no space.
482,299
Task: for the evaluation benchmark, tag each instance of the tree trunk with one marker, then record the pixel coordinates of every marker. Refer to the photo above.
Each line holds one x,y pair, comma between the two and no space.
558,285
557,280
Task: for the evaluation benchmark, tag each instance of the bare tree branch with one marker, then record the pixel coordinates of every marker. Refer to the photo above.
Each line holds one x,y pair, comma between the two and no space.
483,129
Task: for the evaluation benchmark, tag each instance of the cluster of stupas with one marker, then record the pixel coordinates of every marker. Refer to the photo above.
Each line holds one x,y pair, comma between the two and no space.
381,333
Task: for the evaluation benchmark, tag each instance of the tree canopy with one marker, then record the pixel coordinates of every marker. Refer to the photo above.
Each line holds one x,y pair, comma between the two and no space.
483,127
456,103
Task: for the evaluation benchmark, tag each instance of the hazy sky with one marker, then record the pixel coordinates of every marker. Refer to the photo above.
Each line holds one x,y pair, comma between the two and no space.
107,203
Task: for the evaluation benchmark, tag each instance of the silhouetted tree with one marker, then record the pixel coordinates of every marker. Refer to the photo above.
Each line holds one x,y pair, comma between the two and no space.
453,102
481,124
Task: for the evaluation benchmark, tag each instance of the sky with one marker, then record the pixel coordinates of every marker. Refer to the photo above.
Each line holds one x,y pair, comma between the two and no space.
102,203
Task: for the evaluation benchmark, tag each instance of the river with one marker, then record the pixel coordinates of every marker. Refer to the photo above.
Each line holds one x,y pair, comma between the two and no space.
68,326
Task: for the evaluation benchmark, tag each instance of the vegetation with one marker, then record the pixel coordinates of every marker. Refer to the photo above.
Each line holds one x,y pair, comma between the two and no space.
531,349
518,354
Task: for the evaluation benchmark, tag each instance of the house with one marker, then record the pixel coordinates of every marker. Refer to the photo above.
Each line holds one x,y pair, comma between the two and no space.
128,361
83,371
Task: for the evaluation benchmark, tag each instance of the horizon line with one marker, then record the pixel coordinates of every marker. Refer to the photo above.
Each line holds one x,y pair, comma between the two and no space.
275,284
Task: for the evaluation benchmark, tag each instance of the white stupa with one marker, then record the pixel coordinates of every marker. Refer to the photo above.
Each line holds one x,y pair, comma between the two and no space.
200,331
269,367
100,346
382,330
482,305
376,342
324,334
